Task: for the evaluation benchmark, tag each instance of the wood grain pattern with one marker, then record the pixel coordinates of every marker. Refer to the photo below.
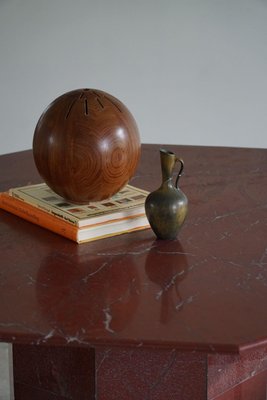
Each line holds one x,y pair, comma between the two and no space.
86,145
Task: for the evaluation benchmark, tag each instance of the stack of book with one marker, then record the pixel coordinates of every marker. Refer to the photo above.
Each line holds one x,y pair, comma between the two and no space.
123,213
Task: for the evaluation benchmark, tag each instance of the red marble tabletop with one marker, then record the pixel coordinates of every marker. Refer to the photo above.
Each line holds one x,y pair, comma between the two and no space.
206,291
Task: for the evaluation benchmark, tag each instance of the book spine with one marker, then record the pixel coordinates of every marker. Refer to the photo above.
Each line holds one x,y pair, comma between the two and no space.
37,216
43,206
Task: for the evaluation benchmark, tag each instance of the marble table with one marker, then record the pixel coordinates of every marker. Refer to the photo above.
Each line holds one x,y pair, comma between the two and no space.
135,318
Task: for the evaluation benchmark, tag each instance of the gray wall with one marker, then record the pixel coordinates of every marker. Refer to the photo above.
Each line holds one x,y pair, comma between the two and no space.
191,71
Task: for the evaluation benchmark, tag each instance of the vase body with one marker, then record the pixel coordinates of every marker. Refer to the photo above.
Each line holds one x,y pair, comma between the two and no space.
166,208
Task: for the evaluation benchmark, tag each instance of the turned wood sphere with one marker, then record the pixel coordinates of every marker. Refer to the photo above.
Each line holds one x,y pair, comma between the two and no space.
86,145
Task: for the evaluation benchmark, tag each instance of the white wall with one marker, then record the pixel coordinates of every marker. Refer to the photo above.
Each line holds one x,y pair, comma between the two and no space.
191,71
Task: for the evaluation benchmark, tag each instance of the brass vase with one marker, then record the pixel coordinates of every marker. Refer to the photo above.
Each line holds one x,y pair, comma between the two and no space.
166,208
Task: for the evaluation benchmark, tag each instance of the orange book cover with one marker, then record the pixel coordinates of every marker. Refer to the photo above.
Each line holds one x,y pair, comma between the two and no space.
57,225
37,216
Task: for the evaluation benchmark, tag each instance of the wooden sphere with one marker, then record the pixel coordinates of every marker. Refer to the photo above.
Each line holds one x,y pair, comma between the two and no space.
86,145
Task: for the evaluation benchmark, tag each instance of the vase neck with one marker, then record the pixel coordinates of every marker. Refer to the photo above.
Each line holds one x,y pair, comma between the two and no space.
168,160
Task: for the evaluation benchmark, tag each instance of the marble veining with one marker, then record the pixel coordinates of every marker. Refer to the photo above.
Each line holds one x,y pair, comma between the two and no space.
107,320
205,291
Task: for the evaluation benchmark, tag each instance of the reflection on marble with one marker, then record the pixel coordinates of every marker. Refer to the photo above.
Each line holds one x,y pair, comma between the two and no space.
167,266
204,292
88,294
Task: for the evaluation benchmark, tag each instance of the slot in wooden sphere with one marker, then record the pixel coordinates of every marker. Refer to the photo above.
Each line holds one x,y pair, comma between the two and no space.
86,145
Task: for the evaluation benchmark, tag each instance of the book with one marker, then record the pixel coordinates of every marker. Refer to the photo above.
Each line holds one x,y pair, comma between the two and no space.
93,231
128,202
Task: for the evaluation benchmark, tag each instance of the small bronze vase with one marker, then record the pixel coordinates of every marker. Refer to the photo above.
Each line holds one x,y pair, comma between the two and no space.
166,208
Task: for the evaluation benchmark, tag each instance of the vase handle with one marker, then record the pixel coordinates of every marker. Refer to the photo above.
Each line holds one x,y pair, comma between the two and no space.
180,171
